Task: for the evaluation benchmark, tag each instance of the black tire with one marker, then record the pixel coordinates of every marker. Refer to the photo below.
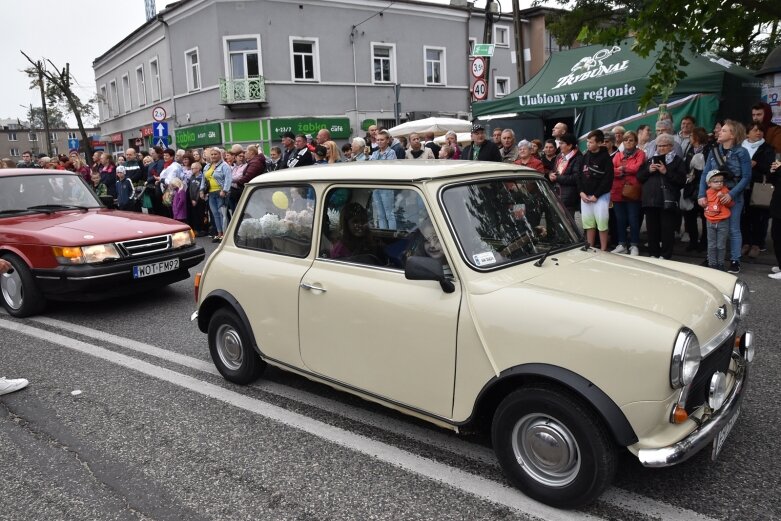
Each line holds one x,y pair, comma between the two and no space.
20,294
568,456
231,349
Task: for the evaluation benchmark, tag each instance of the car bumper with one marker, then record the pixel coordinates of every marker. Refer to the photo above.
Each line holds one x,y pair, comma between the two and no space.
707,432
95,282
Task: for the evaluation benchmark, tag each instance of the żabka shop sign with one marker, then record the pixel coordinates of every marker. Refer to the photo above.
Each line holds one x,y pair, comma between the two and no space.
199,135
593,67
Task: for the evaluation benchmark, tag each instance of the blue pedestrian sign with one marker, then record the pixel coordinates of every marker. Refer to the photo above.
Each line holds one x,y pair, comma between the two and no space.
73,144
161,129
161,142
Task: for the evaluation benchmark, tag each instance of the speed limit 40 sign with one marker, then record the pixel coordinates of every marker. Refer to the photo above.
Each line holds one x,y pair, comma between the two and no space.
480,89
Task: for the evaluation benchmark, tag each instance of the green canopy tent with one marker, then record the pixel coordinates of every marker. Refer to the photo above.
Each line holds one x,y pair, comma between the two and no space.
601,86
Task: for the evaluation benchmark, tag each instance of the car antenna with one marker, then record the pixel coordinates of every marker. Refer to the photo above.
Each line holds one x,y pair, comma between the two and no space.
542,259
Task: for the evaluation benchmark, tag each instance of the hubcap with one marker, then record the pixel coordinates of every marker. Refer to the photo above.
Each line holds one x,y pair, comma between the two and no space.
13,292
546,450
229,347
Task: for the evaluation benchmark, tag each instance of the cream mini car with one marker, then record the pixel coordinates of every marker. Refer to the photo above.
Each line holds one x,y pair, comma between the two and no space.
462,293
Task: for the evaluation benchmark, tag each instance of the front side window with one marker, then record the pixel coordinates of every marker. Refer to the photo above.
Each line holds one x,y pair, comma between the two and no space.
243,58
383,58
435,66
193,70
278,220
304,55
508,220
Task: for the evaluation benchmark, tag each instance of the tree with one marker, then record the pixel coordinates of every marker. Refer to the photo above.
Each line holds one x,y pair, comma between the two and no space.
56,117
668,26
60,95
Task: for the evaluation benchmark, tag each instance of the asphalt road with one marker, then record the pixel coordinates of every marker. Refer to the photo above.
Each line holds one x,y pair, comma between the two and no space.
126,418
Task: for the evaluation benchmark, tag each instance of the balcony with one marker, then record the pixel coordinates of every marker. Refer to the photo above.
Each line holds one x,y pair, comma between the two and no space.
243,91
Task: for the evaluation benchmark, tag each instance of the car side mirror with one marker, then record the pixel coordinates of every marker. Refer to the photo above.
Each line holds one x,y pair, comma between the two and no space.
426,268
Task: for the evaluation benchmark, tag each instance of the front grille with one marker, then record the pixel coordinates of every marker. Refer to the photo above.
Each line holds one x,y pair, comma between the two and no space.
145,246
717,360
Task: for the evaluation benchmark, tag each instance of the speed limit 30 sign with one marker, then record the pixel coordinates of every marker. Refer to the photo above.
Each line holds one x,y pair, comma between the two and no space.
480,89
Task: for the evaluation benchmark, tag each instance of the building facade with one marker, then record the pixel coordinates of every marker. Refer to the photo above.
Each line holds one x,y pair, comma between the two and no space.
17,137
223,72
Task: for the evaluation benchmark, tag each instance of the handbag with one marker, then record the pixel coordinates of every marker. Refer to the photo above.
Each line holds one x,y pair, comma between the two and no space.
761,194
631,192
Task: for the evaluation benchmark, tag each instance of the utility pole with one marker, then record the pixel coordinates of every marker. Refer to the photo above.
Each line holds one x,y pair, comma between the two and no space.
43,106
518,28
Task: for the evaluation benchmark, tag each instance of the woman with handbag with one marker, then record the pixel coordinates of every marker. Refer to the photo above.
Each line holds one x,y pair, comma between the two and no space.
662,180
626,194
757,212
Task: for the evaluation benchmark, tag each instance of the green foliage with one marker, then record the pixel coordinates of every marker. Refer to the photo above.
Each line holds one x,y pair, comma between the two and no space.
55,116
667,26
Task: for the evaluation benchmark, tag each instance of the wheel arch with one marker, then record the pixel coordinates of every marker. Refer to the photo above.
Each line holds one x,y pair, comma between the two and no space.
14,251
513,378
219,299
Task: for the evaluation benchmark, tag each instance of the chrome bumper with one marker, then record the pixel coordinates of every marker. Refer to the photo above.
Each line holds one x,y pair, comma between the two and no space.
710,428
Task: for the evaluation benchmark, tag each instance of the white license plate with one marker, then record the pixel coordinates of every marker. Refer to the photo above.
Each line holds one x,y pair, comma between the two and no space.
721,437
155,268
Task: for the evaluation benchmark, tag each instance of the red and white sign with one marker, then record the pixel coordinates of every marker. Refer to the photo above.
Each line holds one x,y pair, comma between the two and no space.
147,131
159,113
116,138
480,89
478,67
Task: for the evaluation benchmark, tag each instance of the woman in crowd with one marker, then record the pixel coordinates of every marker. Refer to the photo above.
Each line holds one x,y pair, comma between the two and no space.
237,171
108,173
728,152
359,149
565,175
643,136
216,183
662,180
333,155
694,161
756,218
80,168
626,201
445,152
526,158
549,155
536,145
452,140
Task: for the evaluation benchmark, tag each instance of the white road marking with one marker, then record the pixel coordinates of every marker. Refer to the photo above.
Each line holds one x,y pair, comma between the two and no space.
614,496
458,479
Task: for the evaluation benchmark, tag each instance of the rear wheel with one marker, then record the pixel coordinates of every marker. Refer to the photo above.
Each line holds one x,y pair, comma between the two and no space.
231,349
21,296
553,447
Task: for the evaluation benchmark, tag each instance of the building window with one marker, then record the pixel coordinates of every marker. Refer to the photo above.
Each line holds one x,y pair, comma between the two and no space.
113,98
104,102
127,101
52,137
501,36
32,136
55,152
384,63
12,136
435,65
501,86
154,71
243,57
72,135
14,152
140,86
304,55
193,68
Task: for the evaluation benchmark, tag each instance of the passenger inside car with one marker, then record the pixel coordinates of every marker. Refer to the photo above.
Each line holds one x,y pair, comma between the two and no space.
424,242
356,242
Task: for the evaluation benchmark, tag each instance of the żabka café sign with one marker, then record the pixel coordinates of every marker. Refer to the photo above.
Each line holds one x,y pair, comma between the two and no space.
602,63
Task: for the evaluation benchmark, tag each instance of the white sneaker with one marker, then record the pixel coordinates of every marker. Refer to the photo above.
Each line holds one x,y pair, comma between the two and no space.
776,276
9,386
620,249
775,269
634,251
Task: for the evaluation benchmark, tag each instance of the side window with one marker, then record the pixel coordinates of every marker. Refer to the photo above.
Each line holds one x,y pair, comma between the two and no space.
278,220
377,227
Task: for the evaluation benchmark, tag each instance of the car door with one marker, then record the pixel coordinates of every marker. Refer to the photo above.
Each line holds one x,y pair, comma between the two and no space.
368,327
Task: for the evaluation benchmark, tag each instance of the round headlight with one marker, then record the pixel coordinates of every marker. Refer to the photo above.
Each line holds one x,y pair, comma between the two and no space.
740,299
686,358
717,392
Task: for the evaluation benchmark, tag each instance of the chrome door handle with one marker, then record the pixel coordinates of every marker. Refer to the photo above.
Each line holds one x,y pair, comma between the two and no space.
304,285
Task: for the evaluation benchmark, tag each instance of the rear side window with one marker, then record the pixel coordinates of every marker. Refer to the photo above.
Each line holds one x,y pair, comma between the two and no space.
278,220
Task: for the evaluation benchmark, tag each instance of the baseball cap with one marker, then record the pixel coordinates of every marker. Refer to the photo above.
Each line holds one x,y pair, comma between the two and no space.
477,127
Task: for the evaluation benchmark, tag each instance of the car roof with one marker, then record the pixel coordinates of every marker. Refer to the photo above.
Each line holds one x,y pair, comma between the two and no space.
9,172
394,171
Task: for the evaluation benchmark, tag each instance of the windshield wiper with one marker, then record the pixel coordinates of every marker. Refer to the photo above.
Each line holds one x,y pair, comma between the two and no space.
542,259
13,211
54,207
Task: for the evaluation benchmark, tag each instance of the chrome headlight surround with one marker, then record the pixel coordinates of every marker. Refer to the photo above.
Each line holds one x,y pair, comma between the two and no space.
740,299
182,239
686,358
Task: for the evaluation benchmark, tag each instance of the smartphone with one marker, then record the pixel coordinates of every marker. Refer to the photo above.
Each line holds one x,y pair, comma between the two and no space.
367,150
659,160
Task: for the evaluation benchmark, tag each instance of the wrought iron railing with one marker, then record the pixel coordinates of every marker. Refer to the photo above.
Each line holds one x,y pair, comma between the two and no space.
243,90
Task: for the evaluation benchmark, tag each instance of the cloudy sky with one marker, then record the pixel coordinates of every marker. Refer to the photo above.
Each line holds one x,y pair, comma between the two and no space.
70,31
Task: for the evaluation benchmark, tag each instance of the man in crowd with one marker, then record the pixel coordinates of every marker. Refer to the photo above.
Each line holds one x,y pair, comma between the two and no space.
618,133
496,135
384,151
323,135
683,137
429,143
509,151
663,126
481,149
288,149
27,160
559,129
133,168
301,155
762,113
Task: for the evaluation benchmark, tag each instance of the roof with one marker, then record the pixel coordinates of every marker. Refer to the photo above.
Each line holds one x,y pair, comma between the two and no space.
386,171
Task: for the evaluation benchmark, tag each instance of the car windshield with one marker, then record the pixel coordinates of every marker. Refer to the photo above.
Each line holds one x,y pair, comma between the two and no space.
507,220
40,192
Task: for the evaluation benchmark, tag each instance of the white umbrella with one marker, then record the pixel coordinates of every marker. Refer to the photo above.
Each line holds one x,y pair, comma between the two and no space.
436,125
464,138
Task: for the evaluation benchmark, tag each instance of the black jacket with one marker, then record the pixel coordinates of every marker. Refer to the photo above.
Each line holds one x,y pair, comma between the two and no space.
596,175
654,183
488,152
775,201
567,182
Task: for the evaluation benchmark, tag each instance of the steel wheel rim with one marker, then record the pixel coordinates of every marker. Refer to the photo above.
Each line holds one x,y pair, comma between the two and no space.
546,450
13,290
229,347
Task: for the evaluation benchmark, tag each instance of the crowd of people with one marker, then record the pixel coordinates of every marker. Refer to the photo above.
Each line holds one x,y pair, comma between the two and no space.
689,183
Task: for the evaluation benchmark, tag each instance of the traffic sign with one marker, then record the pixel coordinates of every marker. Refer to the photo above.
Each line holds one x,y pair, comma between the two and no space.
161,142
478,67
483,49
73,144
480,89
161,129
159,113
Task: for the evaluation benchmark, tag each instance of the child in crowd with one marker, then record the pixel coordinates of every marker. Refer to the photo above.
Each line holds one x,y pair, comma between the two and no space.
124,190
97,185
179,201
717,215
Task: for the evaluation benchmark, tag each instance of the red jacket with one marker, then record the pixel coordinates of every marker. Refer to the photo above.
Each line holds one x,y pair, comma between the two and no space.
255,167
632,165
533,162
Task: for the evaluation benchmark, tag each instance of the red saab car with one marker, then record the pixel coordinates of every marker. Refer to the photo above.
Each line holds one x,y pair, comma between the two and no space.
64,244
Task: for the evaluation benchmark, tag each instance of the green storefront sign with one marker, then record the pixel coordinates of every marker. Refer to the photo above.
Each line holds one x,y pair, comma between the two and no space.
338,127
199,135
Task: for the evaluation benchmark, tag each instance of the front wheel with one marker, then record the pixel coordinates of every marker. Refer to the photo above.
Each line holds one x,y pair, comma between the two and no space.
231,349
21,296
553,447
